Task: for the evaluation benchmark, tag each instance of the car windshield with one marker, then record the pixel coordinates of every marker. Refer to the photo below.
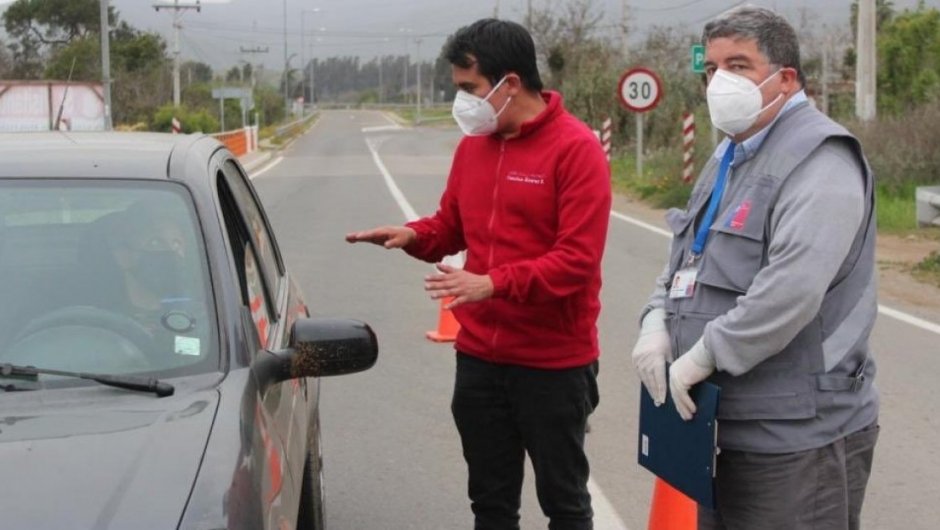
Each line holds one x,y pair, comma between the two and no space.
105,277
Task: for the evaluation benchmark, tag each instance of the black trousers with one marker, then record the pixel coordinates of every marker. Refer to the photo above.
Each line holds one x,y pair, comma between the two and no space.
503,412
815,489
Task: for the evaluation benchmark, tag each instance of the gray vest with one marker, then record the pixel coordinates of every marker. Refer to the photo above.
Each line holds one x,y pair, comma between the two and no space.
819,387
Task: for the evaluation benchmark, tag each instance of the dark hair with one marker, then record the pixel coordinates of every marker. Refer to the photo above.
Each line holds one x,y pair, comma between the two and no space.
499,47
775,37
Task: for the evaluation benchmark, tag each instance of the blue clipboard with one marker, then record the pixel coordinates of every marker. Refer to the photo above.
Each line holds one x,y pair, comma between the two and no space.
682,453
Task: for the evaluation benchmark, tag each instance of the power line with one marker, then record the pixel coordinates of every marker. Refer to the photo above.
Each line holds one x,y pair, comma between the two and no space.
667,8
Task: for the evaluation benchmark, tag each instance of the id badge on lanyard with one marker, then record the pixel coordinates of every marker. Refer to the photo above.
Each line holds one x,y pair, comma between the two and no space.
683,282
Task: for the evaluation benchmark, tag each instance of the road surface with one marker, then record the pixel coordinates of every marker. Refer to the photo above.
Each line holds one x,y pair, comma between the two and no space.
392,453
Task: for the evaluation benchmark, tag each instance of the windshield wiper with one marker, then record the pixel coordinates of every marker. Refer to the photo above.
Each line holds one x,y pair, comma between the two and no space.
129,382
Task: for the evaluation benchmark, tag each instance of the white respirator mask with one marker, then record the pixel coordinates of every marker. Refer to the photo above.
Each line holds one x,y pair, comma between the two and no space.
475,115
734,101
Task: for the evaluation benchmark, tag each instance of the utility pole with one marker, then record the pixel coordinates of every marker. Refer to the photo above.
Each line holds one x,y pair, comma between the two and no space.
624,18
404,86
286,70
418,64
825,70
381,82
106,64
178,9
528,16
865,96
496,10
303,61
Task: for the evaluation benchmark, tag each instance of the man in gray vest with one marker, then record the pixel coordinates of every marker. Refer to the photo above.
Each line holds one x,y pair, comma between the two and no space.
770,293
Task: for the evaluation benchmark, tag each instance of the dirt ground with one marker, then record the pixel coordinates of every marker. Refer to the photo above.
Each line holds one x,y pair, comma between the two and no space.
895,255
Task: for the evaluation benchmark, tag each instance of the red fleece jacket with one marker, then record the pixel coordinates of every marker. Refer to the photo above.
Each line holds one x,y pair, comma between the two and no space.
532,212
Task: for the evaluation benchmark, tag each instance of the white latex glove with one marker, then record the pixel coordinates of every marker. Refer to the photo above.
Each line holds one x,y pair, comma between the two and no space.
651,353
689,369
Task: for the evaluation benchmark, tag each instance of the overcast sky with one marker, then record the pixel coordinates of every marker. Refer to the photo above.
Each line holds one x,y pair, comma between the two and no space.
368,28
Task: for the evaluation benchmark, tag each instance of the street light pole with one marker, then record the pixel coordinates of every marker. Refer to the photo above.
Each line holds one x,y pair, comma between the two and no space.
418,64
404,86
303,61
106,64
286,71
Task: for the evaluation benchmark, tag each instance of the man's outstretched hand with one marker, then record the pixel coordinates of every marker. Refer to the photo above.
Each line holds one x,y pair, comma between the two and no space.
387,236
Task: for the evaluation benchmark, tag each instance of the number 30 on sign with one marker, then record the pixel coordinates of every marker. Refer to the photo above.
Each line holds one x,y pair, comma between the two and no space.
639,90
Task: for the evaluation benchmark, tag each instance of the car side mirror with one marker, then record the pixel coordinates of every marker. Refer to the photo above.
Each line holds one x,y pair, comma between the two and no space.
320,347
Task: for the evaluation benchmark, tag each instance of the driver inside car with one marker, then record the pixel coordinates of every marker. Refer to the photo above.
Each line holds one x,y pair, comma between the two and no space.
149,248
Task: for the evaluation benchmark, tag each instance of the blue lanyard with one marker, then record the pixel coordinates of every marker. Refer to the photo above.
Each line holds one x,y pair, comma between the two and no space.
701,236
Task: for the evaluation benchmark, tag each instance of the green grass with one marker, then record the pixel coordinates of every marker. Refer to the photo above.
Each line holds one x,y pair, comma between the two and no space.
661,183
897,208
430,115
928,270
661,186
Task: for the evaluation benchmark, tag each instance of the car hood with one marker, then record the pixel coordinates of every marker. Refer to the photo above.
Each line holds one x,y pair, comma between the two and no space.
97,457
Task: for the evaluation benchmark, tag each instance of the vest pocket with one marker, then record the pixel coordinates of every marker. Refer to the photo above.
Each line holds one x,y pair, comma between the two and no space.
776,389
735,248
772,390
731,261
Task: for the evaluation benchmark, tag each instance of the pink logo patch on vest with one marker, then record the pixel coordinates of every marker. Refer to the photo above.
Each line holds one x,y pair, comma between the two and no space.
740,216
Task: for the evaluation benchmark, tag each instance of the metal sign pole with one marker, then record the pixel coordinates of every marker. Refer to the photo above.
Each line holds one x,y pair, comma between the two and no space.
639,144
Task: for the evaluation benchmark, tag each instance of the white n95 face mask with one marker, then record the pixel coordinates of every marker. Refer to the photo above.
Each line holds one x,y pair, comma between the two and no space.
734,101
475,115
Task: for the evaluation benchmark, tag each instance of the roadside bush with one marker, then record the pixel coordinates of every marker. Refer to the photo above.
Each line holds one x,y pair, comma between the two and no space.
903,149
190,120
904,152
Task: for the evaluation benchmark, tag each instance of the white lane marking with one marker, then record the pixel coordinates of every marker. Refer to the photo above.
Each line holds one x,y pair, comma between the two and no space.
382,128
884,310
403,203
909,319
266,168
641,224
604,514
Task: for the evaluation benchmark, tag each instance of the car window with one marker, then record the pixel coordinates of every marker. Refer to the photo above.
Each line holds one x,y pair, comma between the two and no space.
255,294
256,299
254,219
104,276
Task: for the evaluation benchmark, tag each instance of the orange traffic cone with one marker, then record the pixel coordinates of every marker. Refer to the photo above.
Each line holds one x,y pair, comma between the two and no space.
671,510
447,326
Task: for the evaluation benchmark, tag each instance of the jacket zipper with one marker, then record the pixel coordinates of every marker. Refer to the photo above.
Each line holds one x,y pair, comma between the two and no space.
490,226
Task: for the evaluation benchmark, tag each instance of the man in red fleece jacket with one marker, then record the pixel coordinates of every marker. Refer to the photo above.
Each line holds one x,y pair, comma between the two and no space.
528,198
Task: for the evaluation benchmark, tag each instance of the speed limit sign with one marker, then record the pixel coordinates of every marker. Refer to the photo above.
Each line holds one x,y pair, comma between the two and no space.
639,89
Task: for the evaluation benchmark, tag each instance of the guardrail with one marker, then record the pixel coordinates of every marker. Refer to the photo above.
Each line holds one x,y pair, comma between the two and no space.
928,205
294,127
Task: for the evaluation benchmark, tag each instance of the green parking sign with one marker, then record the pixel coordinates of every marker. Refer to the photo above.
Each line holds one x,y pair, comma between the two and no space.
698,58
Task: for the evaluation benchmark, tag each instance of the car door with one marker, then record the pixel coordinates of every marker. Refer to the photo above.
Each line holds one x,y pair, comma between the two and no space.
280,416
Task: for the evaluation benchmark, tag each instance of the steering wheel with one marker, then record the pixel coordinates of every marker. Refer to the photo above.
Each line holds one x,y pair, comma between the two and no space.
94,325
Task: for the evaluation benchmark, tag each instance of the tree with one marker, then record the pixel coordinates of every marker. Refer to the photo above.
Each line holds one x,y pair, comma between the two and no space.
41,26
195,72
577,60
234,74
909,60
6,62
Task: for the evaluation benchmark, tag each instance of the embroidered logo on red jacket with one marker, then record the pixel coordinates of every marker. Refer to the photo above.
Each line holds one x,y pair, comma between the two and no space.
739,218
